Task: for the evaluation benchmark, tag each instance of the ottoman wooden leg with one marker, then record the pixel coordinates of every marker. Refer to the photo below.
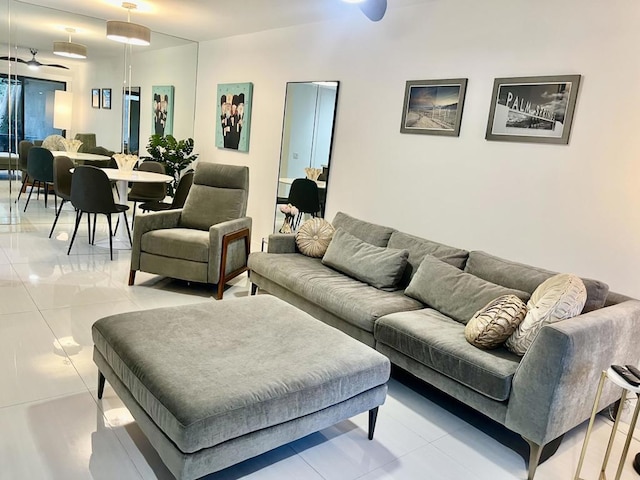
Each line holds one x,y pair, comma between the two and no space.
132,277
373,416
254,289
101,380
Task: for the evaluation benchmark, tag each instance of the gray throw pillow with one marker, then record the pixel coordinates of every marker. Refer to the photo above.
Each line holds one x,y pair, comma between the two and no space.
453,292
378,266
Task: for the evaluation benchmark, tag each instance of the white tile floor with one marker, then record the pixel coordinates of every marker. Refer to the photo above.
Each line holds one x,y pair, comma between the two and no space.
52,426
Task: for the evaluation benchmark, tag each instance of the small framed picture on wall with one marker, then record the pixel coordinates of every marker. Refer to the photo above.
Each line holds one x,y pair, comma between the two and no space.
106,98
95,97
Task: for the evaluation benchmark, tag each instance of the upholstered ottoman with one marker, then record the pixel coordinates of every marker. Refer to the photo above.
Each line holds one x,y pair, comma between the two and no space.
216,383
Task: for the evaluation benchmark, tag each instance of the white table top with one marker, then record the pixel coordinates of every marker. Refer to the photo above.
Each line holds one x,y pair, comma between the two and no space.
79,155
288,181
136,176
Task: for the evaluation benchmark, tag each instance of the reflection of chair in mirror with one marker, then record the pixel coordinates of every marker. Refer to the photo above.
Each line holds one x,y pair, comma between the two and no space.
88,141
206,241
23,153
91,193
40,171
179,198
304,196
148,192
61,183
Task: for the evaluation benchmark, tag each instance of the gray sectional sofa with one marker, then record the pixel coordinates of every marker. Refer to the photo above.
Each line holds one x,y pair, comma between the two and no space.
541,395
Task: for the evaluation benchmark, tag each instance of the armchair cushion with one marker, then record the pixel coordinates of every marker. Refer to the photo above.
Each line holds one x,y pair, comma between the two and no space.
185,243
228,206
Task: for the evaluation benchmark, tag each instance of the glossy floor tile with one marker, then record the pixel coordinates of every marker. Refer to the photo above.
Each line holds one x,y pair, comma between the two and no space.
52,426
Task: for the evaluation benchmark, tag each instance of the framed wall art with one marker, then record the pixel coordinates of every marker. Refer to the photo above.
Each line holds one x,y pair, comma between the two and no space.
106,98
533,109
233,115
162,117
95,97
433,107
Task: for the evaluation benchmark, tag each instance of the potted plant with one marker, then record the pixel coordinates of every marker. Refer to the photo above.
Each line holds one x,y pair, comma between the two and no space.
175,155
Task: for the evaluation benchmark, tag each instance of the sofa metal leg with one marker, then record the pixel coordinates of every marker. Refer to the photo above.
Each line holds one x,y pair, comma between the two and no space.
254,289
132,277
101,380
535,451
373,416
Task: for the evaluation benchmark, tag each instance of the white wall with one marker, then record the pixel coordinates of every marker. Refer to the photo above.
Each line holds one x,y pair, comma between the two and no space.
573,208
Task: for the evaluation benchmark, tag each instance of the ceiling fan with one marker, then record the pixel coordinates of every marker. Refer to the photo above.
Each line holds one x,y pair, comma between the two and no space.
33,63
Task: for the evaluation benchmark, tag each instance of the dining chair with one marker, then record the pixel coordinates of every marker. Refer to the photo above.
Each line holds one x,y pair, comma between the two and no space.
304,196
147,192
180,196
61,184
91,193
23,153
40,171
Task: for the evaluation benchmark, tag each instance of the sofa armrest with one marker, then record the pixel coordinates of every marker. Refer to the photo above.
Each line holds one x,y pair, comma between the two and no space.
146,222
555,384
282,243
237,253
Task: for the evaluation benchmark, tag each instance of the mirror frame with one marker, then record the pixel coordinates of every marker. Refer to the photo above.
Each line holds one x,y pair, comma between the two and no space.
284,136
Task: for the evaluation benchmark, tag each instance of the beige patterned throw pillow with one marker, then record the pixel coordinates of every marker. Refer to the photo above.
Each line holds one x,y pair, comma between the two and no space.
314,236
493,324
557,298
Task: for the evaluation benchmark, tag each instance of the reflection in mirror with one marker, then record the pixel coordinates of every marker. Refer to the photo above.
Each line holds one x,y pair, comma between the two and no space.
131,120
307,134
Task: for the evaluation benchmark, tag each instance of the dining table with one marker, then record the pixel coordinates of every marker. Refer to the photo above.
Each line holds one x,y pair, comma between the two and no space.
122,179
80,156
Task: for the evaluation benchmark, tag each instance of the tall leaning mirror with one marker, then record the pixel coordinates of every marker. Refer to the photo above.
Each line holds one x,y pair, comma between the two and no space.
305,156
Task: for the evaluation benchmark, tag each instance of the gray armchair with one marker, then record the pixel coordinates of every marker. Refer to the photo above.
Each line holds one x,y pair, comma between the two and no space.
205,241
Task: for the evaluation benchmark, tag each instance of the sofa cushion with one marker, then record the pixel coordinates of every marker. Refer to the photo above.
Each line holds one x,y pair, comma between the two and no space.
184,243
314,236
419,247
453,292
434,340
490,327
527,278
557,298
351,300
369,232
378,266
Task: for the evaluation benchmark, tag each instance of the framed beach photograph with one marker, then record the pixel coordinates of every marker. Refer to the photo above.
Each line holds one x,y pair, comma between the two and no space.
533,109
233,115
95,97
433,107
162,115
106,98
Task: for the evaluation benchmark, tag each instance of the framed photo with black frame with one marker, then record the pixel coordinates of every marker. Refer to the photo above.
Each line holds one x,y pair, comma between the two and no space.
533,109
433,107
106,98
95,97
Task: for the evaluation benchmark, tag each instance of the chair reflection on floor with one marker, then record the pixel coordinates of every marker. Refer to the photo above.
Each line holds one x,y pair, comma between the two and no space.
91,193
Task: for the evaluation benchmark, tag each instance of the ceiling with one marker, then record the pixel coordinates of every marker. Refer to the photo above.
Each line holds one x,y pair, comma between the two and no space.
179,21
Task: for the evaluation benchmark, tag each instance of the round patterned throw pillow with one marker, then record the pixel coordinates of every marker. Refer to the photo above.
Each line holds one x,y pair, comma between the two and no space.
492,325
557,298
314,236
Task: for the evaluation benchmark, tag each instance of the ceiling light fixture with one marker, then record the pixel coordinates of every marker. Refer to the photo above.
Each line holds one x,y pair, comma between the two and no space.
70,49
127,32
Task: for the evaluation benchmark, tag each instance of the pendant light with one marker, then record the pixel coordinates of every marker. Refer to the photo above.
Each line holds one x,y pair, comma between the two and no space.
70,49
127,32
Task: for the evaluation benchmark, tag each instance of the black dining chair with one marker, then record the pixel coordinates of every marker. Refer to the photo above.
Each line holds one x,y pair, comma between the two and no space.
304,196
23,154
40,171
91,193
180,196
61,183
148,192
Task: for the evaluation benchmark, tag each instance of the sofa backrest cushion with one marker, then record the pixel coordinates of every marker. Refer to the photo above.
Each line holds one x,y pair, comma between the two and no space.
451,291
369,232
378,266
525,277
420,248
